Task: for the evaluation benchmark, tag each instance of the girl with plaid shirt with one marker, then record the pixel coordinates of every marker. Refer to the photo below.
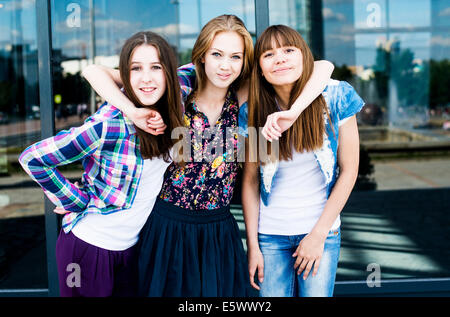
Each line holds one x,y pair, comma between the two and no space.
123,173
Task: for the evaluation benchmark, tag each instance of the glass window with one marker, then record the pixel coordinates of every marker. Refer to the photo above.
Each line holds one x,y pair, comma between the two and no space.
395,219
23,262
402,13
288,12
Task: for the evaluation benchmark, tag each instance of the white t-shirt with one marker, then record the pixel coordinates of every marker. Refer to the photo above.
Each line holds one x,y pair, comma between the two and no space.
297,199
119,231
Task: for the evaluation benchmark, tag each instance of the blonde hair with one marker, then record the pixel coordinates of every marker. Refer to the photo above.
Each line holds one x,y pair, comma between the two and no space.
223,23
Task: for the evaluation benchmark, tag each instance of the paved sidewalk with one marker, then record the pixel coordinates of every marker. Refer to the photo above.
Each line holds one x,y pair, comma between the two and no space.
409,174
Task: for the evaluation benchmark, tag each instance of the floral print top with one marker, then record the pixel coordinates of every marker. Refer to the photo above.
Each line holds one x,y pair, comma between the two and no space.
207,180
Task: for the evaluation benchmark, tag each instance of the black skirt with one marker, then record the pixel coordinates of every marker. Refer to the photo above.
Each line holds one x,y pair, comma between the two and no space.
184,253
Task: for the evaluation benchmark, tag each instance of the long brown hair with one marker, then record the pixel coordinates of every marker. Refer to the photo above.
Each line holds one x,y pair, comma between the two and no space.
306,134
222,23
169,105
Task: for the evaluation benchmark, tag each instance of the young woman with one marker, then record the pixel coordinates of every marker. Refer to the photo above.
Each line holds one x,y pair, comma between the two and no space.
190,245
123,173
292,207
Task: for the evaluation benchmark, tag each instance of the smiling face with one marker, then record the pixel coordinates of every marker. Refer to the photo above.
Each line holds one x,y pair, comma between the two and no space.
281,66
224,59
147,78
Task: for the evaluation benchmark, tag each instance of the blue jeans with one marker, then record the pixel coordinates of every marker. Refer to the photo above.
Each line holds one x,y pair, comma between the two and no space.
280,277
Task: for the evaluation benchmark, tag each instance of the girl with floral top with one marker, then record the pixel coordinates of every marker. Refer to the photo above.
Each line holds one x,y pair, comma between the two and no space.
292,200
190,245
96,250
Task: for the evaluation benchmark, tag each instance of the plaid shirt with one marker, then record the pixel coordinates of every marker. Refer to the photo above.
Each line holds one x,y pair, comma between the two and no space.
107,144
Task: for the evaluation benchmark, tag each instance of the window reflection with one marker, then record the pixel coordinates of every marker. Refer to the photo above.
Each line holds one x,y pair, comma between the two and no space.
22,237
401,13
395,53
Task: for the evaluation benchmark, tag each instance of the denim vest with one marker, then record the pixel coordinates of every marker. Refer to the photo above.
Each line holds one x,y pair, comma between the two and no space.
343,102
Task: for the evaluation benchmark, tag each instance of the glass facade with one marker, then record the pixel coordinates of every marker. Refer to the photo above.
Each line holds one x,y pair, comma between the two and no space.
22,236
395,54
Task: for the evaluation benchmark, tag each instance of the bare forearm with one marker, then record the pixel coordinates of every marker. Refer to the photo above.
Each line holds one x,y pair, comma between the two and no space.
314,87
105,82
336,202
250,205
348,159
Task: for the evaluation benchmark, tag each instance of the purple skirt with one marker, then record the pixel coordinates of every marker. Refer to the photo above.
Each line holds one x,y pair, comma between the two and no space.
85,270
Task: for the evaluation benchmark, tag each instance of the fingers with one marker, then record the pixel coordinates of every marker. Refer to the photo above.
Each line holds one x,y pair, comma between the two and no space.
276,126
156,131
252,271
316,267
153,131
305,264
156,126
261,273
60,211
162,129
300,263
271,129
307,270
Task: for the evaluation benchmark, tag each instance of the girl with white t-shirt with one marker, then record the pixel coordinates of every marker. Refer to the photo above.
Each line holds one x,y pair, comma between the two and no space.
292,200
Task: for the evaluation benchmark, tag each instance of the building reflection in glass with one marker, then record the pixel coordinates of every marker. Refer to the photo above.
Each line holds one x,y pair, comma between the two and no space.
22,235
394,52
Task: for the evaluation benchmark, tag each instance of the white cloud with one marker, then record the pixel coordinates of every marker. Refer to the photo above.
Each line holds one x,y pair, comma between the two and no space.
16,5
445,12
75,43
341,37
328,14
171,29
440,40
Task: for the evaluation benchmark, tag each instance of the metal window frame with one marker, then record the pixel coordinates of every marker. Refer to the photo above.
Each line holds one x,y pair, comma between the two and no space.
261,16
44,41
44,47
398,287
